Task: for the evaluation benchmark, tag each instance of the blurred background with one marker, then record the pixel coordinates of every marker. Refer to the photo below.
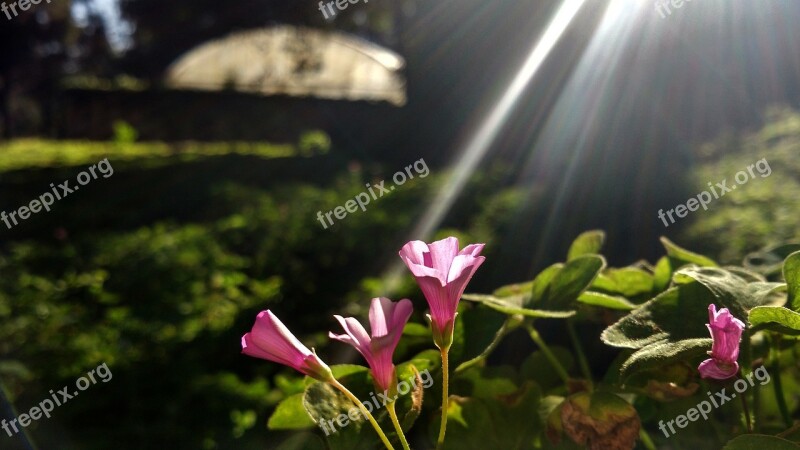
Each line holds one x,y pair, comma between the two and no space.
230,125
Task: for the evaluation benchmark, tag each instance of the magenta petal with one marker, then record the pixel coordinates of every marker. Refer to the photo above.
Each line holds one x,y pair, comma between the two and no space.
271,340
712,368
387,320
250,349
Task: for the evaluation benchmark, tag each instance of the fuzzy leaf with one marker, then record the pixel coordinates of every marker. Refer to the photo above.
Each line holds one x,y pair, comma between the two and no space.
663,353
588,243
681,256
779,319
791,272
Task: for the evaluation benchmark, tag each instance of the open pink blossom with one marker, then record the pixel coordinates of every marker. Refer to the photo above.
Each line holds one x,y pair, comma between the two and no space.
726,331
442,272
386,321
271,340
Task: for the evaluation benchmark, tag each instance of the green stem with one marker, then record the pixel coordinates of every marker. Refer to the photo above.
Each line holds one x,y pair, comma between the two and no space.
790,431
548,354
582,361
445,398
335,383
498,337
646,440
777,384
393,414
746,413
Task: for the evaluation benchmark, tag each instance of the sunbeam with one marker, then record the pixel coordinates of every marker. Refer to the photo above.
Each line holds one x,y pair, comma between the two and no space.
485,135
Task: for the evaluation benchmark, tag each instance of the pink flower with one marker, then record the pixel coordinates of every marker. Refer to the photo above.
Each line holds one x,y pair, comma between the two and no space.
442,273
386,321
726,331
271,340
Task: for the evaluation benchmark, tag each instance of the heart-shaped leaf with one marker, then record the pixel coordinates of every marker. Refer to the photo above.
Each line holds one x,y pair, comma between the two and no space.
606,301
791,273
290,414
567,284
681,257
664,353
775,318
588,243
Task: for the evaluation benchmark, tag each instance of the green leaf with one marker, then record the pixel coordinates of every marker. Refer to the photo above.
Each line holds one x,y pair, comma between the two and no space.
774,318
732,291
663,353
327,405
627,281
791,273
662,275
606,301
567,285
678,313
543,281
681,257
588,243
760,442
290,414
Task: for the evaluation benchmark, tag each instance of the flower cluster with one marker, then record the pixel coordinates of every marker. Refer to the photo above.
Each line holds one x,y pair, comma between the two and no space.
442,272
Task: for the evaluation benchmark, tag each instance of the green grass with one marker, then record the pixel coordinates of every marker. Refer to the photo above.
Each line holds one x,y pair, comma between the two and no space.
32,153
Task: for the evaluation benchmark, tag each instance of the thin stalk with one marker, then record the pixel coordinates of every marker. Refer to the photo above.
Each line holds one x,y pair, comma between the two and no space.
498,337
445,398
548,354
393,414
746,413
582,361
777,385
646,440
791,430
335,383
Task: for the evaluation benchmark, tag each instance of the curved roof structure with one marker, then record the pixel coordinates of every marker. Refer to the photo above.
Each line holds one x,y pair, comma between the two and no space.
296,61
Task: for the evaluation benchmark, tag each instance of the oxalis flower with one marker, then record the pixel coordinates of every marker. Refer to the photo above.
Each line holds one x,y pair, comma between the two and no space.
726,331
442,272
386,321
271,340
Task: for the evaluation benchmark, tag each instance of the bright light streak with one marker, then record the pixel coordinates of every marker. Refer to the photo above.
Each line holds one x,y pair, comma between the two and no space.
487,132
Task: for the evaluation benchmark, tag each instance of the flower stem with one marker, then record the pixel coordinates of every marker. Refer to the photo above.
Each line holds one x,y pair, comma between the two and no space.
646,440
335,383
582,361
393,414
777,385
746,413
445,398
548,354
